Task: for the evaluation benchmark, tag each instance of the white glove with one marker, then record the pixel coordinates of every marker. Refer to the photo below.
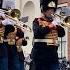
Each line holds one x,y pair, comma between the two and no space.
56,21
2,14
8,21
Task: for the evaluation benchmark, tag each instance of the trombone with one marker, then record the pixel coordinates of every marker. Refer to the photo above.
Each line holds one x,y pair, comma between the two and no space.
15,14
66,20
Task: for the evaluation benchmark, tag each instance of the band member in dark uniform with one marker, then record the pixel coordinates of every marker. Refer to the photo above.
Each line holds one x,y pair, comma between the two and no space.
46,33
15,57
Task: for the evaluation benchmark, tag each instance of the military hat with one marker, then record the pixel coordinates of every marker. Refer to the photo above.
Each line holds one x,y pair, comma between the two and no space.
47,4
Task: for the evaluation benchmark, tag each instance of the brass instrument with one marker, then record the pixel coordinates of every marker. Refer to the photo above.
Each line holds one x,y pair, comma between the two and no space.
15,14
66,20
12,12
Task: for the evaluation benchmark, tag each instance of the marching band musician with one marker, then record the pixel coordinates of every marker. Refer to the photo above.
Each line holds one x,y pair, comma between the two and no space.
15,38
46,33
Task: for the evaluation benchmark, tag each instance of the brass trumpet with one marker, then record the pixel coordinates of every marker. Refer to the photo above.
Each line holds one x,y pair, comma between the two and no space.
66,20
15,14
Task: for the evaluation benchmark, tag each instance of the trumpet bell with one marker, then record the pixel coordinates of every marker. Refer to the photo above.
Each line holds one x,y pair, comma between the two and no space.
67,21
15,13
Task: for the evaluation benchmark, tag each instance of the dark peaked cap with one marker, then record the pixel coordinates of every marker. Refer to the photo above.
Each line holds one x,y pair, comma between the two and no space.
46,4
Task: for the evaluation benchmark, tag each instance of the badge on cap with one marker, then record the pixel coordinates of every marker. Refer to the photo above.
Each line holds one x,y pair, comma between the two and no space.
52,4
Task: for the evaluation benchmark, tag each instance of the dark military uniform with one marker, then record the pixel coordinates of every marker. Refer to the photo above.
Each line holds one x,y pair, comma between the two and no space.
10,58
14,57
44,52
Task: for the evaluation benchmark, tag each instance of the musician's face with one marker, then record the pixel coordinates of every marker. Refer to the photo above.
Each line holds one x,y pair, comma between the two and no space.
48,12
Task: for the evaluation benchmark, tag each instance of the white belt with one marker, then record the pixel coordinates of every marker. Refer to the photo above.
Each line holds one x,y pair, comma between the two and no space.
2,40
48,41
9,41
5,40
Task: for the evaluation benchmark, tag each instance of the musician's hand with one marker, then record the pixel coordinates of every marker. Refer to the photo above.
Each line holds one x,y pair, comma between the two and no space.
43,23
52,26
19,42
